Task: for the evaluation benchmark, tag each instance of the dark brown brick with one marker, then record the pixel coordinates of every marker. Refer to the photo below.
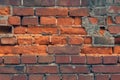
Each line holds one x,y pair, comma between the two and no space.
12,69
94,60
74,69
115,76
62,59
35,77
51,11
106,69
68,3
20,77
86,77
46,59
23,11
30,21
64,50
12,59
28,59
33,3
79,12
110,59
78,59
10,2
5,77
53,77
69,77
42,69
102,77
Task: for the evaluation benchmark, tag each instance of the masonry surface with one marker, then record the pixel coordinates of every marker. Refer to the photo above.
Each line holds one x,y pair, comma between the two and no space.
59,39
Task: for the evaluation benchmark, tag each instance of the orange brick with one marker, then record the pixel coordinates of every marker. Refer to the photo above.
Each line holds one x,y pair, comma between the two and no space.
20,30
24,40
77,40
48,20
65,21
88,40
93,20
117,49
78,31
117,19
77,21
42,40
58,40
8,40
14,20
96,50
4,10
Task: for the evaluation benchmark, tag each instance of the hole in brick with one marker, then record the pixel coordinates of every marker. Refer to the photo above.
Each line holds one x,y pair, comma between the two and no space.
5,29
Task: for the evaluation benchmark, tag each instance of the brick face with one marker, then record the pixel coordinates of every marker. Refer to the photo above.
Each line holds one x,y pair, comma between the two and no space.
59,39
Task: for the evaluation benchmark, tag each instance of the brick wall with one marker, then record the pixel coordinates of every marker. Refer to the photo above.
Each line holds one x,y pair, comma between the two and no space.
59,39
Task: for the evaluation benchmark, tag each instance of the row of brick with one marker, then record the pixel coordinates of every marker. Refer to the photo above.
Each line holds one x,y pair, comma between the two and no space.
66,3
58,49
60,59
60,77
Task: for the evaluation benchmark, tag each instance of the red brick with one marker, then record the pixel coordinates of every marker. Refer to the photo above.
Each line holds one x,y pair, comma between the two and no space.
34,49
68,3
12,59
96,50
109,20
114,9
12,69
74,69
115,77
69,77
28,59
42,69
48,20
78,59
46,59
102,77
68,50
85,77
114,29
4,10
6,50
42,40
8,40
20,30
88,40
35,77
77,21
94,60
14,20
65,21
117,49
30,21
20,77
69,30
24,40
51,11
5,77
110,59
42,30
75,40
62,59
93,20
106,69
117,19
23,11
53,77
79,12
58,40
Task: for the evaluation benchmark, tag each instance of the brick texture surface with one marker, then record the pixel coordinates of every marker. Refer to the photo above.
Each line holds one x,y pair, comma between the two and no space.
59,39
